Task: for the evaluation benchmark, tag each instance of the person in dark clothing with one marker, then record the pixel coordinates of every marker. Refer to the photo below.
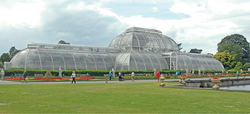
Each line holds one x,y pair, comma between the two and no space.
120,76
24,77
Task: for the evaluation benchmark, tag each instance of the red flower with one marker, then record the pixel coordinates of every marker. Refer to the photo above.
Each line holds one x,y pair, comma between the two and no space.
216,78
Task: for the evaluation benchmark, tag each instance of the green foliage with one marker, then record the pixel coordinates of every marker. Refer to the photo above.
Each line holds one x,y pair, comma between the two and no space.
239,66
233,49
47,76
247,65
227,59
208,85
179,46
235,39
31,72
13,51
1,65
5,57
63,42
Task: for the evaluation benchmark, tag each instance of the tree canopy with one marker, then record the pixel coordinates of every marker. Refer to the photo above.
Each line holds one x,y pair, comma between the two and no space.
1,64
233,49
247,65
227,59
195,51
63,42
13,51
231,43
239,66
179,46
5,57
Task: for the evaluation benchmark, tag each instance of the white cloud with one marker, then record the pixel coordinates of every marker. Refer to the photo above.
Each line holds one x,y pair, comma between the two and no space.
208,22
93,7
22,13
154,8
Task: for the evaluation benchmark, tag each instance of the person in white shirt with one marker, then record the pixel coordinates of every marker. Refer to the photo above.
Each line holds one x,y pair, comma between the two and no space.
133,74
73,76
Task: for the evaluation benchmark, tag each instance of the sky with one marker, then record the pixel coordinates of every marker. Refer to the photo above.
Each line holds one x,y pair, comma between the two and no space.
200,24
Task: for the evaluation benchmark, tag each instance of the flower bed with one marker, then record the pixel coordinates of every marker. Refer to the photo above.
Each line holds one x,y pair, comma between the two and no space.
216,78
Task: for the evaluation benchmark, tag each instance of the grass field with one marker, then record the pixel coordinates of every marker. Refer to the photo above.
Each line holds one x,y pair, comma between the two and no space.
118,98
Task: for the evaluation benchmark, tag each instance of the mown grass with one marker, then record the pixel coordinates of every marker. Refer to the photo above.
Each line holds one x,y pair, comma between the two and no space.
118,98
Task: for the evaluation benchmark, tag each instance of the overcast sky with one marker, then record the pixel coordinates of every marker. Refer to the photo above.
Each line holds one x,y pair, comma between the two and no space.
194,23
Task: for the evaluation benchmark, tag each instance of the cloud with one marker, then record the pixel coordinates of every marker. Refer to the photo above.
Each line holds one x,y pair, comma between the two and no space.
88,22
155,9
22,13
209,22
75,22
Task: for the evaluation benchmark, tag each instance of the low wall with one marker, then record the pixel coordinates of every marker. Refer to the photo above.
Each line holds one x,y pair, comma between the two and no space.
223,82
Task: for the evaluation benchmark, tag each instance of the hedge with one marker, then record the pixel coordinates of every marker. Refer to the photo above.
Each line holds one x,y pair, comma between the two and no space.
31,72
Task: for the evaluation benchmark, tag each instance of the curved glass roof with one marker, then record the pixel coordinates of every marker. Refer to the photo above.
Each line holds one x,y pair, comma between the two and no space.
135,49
141,39
53,59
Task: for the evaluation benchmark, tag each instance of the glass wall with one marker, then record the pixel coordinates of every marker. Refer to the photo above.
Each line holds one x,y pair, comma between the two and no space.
53,59
140,61
189,61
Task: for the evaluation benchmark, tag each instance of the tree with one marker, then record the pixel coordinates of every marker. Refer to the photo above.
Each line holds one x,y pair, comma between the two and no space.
227,59
63,42
247,65
13,51
239,66
240,40
1,64
233,49
5,57
195,51
179,46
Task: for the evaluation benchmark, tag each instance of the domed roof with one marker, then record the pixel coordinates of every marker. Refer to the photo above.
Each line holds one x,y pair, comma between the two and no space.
142,39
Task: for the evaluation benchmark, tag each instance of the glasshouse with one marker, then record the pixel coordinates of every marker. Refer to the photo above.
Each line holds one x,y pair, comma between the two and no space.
135,49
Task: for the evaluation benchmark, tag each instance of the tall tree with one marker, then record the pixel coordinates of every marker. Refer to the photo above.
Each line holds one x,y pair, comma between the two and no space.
179,46
63,42
240,40
5,57
13,51
227,59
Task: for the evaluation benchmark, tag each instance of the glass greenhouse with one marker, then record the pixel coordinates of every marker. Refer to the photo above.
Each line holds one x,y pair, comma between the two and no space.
135,49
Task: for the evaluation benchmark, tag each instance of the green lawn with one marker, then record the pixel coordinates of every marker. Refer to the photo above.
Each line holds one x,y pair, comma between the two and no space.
118,98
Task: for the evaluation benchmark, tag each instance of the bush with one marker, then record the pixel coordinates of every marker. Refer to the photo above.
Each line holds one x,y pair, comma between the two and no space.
31,72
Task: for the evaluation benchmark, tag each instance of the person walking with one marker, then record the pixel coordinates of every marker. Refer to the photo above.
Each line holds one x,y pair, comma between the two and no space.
2,74
24,77
133,74
237,74
158,75
73,76
120,76
87,75
110,75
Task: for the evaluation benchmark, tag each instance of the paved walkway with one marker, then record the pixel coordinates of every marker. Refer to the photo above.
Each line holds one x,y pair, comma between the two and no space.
126,81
